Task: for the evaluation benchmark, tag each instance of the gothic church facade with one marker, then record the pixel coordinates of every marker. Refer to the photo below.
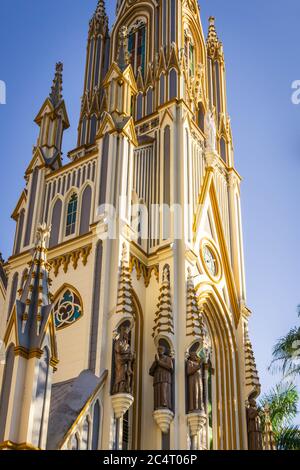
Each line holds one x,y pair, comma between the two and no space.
131,252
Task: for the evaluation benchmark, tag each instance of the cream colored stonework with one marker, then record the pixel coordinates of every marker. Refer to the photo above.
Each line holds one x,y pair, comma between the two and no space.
207,189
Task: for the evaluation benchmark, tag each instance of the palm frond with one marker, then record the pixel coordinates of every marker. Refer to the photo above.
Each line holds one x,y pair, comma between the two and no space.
282,402
286,354
288,438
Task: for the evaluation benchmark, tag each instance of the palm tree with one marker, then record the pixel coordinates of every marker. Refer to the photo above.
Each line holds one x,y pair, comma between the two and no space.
282,403
286,353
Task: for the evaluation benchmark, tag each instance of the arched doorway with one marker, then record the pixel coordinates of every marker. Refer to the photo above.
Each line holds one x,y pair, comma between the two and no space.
227,409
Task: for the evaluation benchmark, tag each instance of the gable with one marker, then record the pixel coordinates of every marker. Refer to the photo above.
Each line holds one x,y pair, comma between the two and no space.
208,224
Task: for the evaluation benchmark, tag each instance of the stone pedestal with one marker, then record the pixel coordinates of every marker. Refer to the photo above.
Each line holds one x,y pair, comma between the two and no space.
163,419
196,422
212,158
121,404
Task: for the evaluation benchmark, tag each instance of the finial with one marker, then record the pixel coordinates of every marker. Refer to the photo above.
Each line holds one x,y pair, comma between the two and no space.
42,235
100,17
123,56
212,42
56,90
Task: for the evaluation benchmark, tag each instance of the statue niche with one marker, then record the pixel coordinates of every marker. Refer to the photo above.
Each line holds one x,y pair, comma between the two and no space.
123,362
254,427
194,377
162,371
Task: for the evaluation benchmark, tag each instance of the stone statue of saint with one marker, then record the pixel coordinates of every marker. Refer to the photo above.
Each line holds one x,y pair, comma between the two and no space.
254,427
162,370
194,383
210,131
123,362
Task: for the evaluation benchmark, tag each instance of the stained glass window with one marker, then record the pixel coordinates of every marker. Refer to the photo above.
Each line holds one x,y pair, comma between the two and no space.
67,309
72,215
137,49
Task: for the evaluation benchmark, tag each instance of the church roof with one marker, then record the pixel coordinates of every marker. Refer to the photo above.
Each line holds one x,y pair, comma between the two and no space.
67,401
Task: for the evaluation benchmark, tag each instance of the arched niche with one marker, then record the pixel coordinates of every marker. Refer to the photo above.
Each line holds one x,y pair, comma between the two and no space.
132,419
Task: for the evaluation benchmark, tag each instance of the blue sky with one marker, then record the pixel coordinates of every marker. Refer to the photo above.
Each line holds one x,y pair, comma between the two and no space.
261,41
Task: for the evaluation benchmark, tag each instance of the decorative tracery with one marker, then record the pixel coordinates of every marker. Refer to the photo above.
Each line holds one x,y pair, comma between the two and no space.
67,309
137,45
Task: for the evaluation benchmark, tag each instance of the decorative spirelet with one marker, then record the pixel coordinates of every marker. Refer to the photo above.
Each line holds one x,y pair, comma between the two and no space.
164,322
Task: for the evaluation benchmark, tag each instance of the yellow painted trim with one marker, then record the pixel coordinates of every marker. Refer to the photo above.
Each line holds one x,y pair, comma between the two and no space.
9,445
208,190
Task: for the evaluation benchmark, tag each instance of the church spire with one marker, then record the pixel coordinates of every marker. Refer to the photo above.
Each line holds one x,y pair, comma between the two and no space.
56,89
53,121
214,46
100,18
35,299
97,61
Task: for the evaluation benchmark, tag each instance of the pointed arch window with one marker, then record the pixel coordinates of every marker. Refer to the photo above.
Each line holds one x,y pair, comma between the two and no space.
149,99
67,308
93,130
72,215
96,426
139,107
55,223
162,89
19,232
83,130
137,47
85,211
173,84
85,435
223,150
189,50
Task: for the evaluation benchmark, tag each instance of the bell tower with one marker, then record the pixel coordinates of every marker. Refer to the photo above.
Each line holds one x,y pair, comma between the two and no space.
149,315
97,62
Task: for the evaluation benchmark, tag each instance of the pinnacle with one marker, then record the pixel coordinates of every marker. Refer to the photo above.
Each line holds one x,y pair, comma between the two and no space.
56,89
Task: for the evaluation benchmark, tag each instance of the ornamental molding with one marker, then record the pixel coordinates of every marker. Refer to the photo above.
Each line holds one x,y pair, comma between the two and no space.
143,270
73,257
